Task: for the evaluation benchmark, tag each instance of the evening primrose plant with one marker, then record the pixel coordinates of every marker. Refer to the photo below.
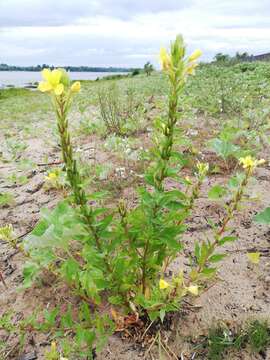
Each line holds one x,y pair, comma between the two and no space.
122,255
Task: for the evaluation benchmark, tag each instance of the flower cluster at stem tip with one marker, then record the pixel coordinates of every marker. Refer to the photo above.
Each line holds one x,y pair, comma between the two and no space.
167,59
57,81
249,163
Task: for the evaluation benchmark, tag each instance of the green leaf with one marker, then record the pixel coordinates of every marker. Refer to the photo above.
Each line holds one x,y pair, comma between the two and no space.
104,223
224,148
30,272
70,270
116,300
197,250
162,314
235,181
50,316
153,315
217,257
263,217
226,239
217,192
55,229
204,253
66,319
209,272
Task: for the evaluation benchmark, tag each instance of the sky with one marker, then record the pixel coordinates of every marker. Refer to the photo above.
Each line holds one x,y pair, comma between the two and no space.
127,33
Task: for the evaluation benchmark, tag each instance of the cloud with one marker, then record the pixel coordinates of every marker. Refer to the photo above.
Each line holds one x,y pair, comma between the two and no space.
17,13
125,33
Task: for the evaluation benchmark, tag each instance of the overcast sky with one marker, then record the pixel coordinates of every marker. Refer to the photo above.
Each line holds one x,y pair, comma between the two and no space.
125,32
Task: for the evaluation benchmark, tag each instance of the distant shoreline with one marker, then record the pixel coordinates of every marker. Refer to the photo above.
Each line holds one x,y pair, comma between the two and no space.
4,67
30,79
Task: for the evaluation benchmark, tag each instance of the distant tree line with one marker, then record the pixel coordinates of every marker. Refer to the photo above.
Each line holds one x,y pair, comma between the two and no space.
239,57
5,67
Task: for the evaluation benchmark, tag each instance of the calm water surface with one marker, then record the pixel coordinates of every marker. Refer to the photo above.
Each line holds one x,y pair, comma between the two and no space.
22,78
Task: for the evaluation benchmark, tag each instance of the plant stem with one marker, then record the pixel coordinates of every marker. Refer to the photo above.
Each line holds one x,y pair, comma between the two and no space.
230,213
73,173
166,150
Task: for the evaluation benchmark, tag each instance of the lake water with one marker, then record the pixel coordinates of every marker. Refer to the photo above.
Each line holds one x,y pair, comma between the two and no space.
22,78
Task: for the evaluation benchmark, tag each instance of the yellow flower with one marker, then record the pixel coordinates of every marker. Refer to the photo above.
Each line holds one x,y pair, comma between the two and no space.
76,87
195,55
52,82
254,257
249,163
51,176
165,59
193,289
163,284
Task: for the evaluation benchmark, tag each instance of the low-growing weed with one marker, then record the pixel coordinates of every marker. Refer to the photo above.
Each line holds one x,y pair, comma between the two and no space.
6,199
254,337
120,113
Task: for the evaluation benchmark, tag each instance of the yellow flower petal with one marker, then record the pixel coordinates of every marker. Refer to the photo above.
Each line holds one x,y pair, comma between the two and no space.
51,176
163,284
76,87
254,257
44,86
193,289
247,162
46,73
165,59
55,77
195,55
59,89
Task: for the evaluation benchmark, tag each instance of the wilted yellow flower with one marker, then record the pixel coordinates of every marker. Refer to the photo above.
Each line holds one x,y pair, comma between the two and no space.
52,82
165,59
249,163
193,289
76,87
195,55
163,284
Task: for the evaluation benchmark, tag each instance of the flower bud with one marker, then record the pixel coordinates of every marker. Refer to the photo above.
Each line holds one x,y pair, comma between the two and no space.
197,53
64,78
76,87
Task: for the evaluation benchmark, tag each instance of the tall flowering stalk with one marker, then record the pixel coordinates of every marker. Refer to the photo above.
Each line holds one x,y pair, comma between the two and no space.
178,68
206,254
57,84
